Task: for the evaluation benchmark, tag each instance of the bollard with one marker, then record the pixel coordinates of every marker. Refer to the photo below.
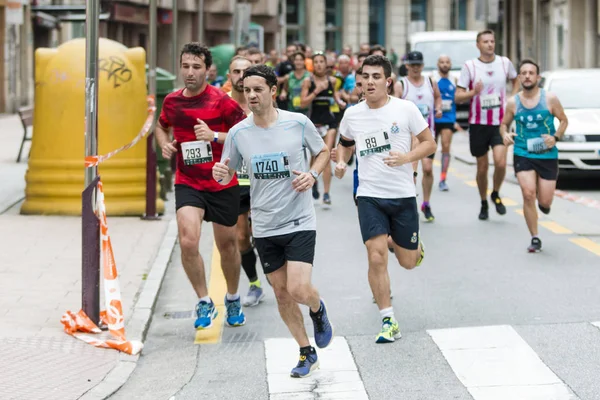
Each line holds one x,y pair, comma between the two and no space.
90,252
150,180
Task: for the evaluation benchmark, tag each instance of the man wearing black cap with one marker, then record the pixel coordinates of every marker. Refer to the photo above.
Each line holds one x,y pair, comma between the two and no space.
426,95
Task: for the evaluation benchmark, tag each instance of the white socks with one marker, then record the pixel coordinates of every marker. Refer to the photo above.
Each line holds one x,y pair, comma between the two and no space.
387,312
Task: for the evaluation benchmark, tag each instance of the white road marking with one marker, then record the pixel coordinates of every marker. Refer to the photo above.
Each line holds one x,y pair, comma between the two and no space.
336,378
596,324
495,363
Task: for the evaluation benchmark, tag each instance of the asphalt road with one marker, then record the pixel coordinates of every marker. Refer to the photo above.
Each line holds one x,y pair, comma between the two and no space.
481,318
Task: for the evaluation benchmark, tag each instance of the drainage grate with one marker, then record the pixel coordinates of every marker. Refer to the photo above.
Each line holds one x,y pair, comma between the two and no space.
178,314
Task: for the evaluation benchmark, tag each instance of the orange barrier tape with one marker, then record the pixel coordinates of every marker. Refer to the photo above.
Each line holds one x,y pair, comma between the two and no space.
80,325
91,161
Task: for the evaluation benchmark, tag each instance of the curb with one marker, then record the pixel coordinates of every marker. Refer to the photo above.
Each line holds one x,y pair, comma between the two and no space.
139,322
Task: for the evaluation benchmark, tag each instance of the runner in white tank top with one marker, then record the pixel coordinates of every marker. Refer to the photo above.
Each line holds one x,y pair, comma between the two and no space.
482,82
424,93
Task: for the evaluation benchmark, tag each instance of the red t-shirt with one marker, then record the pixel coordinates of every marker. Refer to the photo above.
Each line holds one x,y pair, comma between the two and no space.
219,111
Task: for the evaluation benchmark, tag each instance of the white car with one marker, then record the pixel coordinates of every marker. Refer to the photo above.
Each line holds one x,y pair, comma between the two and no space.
577,90
460,46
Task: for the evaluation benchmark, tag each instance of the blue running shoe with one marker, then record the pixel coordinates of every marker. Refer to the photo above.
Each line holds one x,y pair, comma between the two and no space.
323,328
205,313
306,364
235,315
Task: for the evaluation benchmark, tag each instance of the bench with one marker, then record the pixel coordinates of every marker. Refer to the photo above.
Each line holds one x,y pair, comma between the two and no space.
26,115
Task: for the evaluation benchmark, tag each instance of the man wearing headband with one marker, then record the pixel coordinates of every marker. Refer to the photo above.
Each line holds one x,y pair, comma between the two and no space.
283,216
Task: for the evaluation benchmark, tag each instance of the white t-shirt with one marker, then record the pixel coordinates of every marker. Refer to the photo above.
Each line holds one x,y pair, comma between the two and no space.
487,108
376,132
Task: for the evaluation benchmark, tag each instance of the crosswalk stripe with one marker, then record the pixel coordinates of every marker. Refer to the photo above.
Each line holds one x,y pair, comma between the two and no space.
337,377
596,324
494,363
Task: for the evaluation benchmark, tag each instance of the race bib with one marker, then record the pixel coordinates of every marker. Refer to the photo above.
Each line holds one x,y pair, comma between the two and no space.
373,142
446,105
537,146
424,108
296,101
490,101
242,172
196,152
271,166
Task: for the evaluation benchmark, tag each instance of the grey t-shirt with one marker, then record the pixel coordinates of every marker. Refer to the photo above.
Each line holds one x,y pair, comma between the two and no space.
271,155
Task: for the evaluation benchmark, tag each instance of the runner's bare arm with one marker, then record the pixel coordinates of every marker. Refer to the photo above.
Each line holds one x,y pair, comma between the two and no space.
162,134
398,89
321,160
558,111
343,152
509,116
515,86
425,147
462,95
336,94
305,97
437,99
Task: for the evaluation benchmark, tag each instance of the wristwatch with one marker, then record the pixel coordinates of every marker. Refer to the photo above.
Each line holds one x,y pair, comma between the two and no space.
314,174
216,139
556,138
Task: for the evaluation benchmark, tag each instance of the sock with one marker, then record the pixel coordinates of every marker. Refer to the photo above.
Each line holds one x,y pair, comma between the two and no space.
495,194
387,312
445,164
307,350
255,283
233,297
534,237
545,210
425,204
249,264
205,299
484,203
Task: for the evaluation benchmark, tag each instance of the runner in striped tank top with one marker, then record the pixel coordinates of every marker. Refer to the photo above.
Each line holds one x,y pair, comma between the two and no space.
535,152
424,92
482,82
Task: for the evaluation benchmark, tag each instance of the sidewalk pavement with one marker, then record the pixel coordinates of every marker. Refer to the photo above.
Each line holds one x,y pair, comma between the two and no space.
40,279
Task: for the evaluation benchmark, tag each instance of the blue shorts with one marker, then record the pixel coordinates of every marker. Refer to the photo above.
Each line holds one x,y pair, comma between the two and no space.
398,218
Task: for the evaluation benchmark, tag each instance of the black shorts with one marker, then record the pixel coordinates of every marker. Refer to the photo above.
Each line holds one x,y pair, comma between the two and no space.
275,251
546,168
398,218
219,207
244,199
440,126
484,137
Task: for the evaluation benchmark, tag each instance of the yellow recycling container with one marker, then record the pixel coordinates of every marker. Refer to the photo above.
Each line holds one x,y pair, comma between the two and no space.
55,177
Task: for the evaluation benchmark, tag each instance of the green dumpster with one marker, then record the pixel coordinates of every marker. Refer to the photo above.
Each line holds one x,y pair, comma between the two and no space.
165,84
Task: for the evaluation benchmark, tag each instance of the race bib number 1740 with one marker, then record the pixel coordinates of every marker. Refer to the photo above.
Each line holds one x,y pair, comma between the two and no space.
271,166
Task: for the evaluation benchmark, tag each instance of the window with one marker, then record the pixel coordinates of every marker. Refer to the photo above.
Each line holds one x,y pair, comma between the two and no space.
458,15
295,19
377,22
418,12
333,24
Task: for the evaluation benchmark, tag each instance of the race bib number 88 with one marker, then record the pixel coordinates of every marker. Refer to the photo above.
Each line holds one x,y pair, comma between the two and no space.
271,166
373,142
196,152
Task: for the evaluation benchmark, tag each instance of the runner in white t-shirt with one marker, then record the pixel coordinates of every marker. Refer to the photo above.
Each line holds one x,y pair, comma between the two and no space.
483,82
381,128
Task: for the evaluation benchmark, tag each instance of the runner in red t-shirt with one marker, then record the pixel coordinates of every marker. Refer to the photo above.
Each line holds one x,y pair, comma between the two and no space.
200,117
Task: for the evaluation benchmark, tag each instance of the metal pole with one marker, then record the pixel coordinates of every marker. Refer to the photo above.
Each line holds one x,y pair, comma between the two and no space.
90,291
201,21
175,44
150,155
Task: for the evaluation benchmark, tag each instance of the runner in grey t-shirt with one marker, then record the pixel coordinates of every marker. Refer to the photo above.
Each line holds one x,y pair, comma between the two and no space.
277,209
272,144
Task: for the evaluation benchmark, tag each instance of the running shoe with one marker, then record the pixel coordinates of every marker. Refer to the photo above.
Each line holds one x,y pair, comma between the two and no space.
205,313
422,253
500,209
535,246
315,191
444,186
427,213
390,331
323,328
326,199
254,296
483,213
306,365
235,315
